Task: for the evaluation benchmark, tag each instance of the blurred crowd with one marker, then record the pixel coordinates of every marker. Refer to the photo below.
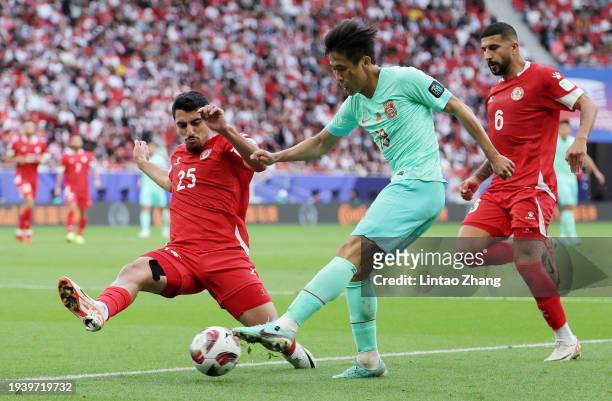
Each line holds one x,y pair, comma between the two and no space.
109,70
576,32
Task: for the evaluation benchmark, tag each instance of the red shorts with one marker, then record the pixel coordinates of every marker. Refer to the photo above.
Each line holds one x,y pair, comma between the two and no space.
26,187
80,199
525,214
229,276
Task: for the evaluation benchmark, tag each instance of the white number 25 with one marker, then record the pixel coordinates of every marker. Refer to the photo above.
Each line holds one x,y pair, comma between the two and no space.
190,175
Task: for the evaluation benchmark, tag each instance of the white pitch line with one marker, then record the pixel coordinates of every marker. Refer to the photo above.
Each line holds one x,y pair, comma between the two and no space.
323,359
285,292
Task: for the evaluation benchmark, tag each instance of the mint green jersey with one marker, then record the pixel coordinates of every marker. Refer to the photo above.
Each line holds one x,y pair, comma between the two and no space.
159,159
562,167
399,119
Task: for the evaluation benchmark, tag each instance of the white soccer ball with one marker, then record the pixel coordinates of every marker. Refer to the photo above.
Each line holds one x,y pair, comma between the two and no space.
215,351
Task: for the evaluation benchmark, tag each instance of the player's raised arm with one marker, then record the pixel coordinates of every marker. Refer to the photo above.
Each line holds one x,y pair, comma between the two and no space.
577,151
214,117
500,165
156,173
310,149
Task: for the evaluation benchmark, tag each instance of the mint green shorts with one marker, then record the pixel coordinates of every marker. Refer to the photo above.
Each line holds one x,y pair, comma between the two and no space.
153,197
401,213
567,188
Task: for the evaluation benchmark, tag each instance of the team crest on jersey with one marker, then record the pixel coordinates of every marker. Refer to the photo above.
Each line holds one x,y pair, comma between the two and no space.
390,110
517,93
205,154
490,99
556,75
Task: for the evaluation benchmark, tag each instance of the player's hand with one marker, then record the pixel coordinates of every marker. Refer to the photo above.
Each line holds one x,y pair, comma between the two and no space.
214,117
575,155
599,177
502,166
265,157
469,187
140,152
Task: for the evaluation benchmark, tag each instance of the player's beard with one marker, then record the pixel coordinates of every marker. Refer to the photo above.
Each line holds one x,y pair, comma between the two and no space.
194,146
499,68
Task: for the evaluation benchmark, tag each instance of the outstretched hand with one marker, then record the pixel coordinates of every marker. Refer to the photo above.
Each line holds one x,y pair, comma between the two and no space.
265,157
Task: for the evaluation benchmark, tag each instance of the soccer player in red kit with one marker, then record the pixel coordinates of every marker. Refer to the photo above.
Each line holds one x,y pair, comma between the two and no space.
523,119
26,152
209,244
74,168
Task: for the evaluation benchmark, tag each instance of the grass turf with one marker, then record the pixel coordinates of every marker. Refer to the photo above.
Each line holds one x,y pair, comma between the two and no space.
40,338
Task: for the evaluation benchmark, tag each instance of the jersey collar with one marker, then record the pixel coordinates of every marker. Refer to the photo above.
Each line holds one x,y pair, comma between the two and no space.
527,65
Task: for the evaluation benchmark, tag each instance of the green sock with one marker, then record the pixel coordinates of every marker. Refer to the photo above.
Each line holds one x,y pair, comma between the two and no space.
329,282
362,311
165,219
568,225
145,221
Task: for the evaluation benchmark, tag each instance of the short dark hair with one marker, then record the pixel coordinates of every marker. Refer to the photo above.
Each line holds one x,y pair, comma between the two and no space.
188,101
352,38
500,28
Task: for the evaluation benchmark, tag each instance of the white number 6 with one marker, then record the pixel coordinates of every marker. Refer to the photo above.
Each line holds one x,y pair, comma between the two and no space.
499,119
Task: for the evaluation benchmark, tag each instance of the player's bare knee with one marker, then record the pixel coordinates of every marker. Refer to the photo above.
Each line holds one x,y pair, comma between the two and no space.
259,315
136,273
351,251
528,251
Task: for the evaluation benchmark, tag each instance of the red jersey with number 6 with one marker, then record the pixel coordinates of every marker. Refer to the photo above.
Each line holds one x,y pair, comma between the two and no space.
76,172
210,197
523,122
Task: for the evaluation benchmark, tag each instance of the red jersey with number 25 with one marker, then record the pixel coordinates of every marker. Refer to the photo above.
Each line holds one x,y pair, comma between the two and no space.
76,171
210,197
523,123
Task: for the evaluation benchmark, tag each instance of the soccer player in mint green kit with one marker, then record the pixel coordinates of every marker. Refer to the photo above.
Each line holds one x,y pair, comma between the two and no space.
152,196
567,184
395,106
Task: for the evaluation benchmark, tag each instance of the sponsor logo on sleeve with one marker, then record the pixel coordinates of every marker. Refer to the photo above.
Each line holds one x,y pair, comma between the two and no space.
566,84
436,89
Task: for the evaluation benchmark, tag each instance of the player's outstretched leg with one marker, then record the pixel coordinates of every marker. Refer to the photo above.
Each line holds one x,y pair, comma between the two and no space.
134,277
323,288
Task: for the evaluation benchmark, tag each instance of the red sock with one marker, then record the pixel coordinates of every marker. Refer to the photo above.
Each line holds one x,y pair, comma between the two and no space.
499,253
552,311
116,299
544,291
291,349
69,221
82,224
25,220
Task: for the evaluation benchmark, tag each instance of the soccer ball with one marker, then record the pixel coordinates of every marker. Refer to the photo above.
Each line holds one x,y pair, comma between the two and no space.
215,351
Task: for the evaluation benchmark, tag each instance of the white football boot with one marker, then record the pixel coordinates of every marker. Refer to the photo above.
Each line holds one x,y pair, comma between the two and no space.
564,352
80,304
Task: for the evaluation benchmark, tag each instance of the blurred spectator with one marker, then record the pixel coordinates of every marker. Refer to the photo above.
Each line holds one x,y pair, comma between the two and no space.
576,32
110,70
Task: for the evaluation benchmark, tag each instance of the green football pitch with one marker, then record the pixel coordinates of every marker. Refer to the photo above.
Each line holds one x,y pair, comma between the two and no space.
436,349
